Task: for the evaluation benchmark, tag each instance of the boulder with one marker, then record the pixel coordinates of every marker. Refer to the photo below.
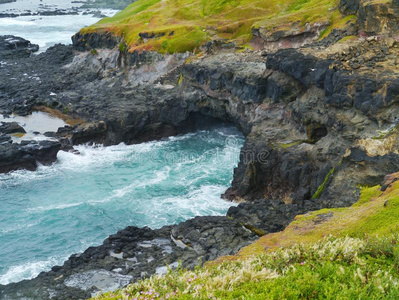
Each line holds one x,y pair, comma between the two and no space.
12,47
27,155
11,127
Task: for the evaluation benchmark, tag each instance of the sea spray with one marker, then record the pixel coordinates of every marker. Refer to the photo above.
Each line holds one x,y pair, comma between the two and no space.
62,209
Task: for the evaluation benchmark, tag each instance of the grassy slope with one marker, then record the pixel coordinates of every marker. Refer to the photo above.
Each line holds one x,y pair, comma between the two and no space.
346,253
184,25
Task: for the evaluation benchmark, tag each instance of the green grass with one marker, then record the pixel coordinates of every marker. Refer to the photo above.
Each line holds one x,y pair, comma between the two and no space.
349,253
367,194
185,25
333,268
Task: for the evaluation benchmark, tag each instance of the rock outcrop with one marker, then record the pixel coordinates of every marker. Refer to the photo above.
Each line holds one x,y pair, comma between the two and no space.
15,47
27,155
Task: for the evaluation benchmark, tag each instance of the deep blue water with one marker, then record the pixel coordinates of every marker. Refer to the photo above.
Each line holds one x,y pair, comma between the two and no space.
47,215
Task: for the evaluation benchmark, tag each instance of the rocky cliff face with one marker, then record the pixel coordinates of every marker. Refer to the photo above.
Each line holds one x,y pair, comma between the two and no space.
320,121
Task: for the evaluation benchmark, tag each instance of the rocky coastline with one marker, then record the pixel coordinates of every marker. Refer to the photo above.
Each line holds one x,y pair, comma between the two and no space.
82,7
320,120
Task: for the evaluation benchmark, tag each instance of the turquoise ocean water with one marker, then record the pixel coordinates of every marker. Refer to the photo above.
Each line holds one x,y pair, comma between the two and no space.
47,215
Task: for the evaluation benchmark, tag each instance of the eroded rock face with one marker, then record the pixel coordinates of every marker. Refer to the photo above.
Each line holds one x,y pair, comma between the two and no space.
349,7
378,17
294,37
95,40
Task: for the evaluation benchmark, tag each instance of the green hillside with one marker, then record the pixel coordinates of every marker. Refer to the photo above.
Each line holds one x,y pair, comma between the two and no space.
184,25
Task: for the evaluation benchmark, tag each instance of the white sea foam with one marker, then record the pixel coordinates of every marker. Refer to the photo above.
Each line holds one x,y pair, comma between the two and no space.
112,184
47,31
18,227
53,207
10,22
30,270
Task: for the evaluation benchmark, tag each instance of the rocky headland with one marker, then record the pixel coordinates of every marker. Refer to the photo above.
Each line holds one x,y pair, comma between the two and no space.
319,117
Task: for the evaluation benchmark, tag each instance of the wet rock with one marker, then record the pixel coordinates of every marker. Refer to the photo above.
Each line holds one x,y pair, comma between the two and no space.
6,1
51,134
13,157
45,152
11,127
101,280
27,155
5,139
89,132
12,47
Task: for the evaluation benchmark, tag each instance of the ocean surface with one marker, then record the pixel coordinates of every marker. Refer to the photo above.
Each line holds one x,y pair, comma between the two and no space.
45,31
47,215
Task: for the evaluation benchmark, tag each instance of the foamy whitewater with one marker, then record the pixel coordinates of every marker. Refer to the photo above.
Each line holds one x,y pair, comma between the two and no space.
46,216
45,31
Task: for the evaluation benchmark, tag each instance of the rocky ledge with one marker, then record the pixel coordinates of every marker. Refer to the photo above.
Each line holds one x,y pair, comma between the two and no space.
27,154
15,47
320,121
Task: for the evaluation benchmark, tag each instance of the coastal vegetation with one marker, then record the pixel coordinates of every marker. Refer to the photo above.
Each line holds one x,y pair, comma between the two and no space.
340,253
170,26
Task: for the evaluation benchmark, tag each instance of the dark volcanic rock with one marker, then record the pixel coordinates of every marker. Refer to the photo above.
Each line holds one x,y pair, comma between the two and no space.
11,127
13,157
135,253
15,47
45,152
84,42
5,139
27,155
113,4
211,237
88,132
349,7
6,1
265,216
